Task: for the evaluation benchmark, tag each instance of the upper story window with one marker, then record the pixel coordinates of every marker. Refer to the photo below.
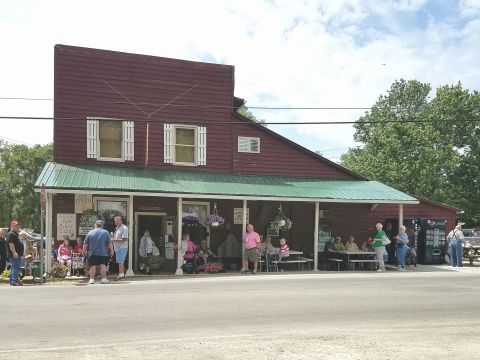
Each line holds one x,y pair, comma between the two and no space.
110,139
185,145
248,144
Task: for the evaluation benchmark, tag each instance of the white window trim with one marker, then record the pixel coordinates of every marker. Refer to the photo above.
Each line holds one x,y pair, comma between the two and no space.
100,158
248,138
174,141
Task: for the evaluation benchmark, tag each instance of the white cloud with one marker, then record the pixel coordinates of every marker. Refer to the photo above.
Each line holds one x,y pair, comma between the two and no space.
286,53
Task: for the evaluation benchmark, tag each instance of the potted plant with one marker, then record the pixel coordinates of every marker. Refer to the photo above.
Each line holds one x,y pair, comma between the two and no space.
281,222
214,219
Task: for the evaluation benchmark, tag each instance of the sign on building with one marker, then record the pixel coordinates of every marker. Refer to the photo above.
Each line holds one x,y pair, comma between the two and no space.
238,216
83,202
66,226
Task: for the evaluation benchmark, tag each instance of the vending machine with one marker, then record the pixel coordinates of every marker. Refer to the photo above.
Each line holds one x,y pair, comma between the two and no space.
431,240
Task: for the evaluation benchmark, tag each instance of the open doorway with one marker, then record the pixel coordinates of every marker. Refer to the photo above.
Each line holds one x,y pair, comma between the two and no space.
155,223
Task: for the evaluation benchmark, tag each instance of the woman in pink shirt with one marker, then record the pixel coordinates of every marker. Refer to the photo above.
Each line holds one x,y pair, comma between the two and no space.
64,251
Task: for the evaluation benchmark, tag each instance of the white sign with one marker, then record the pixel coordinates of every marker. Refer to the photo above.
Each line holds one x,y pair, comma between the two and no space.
84,230
66,226
83,202
238,216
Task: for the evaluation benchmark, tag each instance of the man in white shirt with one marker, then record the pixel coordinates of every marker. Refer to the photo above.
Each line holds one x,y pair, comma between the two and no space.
455,238
120,244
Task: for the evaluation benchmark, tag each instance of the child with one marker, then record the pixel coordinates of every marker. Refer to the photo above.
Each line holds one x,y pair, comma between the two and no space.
283,255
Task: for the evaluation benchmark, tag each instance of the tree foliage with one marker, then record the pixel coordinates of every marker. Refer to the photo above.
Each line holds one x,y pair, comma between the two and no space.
245,112
20,166
426,147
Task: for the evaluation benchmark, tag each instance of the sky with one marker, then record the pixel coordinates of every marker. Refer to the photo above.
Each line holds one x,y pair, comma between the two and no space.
341,53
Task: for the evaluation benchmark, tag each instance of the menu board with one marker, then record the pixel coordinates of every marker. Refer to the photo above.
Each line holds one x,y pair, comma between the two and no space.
238,216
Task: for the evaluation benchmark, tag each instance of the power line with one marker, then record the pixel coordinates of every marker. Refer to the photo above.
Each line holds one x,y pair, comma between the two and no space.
230,122
196,106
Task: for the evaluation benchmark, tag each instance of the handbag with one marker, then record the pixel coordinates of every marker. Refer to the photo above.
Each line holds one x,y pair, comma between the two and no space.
386,241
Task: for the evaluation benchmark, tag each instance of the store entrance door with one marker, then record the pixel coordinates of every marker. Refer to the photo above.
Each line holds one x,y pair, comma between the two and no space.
155,223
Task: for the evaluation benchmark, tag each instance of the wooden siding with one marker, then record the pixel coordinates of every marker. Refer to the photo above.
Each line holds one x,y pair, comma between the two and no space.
87,82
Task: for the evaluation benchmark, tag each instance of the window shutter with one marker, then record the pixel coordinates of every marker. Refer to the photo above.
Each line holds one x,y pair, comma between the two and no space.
168,143
128,140
92,132
202,146
254,145
242,144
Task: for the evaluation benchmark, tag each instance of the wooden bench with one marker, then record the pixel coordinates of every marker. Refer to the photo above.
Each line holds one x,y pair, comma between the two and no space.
358,261
276,262
337,261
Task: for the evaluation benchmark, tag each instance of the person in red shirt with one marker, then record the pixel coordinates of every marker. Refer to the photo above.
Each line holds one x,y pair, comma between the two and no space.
79,246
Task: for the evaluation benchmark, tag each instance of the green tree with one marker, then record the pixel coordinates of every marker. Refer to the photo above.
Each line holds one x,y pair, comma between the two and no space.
245,112
20,166
427,147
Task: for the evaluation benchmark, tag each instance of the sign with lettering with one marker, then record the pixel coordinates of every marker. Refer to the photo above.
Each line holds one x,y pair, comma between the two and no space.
83,202
238,216
66,226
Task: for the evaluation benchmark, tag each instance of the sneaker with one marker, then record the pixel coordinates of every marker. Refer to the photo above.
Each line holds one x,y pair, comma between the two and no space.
104,281
242,271
91,281
281,270
120,278
379,270
254,272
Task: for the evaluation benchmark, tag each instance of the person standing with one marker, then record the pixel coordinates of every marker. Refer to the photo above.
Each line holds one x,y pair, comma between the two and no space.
3,251
455,238
379,247
251,241
120,244
402,248
15,252
98,246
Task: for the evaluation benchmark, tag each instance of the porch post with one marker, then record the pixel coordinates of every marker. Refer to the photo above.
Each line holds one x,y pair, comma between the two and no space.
315,237
130,238
400,215
244,229
48,233
179,270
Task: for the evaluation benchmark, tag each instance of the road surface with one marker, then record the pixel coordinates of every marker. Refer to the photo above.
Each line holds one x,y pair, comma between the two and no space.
329,315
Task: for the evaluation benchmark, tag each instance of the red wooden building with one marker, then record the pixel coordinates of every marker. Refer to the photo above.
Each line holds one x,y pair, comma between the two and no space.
156,139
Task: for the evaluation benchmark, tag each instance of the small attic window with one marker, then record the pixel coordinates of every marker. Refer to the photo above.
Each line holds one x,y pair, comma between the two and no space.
248,144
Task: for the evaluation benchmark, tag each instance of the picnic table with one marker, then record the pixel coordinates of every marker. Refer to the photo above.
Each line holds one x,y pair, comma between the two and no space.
295,258
471,253
358,257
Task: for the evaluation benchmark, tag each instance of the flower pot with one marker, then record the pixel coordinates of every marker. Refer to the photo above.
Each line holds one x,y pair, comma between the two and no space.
215,223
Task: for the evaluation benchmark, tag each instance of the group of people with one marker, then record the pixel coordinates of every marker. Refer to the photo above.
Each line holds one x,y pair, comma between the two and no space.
334,247
254,248
197,257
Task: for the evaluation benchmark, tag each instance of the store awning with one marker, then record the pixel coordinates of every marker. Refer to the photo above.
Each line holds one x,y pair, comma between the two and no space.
101,179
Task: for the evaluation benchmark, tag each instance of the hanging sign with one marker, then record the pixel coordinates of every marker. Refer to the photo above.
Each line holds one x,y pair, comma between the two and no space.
83,202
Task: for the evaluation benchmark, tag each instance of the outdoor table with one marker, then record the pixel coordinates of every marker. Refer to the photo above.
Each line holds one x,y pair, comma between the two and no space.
355,253
471,253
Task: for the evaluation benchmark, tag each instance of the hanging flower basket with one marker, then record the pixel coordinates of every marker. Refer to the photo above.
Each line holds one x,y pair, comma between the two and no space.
214,219
281,222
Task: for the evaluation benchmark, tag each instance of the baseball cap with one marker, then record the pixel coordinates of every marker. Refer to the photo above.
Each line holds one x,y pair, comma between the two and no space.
99,222
15,223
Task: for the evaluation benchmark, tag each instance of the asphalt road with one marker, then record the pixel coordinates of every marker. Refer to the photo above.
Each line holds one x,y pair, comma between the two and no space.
421,315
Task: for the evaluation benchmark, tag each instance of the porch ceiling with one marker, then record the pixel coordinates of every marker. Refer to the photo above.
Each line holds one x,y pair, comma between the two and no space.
106,179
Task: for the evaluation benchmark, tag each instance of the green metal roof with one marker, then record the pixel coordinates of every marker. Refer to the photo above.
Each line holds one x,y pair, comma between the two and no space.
100,178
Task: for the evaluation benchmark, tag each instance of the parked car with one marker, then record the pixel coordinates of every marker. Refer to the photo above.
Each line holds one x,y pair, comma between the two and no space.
471,237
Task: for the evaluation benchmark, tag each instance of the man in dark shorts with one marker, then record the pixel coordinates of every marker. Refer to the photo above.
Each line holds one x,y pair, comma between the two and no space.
97,243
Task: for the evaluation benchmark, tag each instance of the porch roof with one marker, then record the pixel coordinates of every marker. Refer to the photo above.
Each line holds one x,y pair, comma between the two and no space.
62,178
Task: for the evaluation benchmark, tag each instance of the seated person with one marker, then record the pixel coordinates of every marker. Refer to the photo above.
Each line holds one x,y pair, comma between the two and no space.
78,248
339,246
283,255
187,251
330,251
370,244
351,245
267,245
64,251
54,253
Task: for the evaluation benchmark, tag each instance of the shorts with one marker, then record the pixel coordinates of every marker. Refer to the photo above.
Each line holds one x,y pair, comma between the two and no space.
120,255
95,260
251,254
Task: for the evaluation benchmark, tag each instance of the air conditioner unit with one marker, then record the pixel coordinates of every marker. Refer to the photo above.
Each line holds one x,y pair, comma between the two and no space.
324,214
